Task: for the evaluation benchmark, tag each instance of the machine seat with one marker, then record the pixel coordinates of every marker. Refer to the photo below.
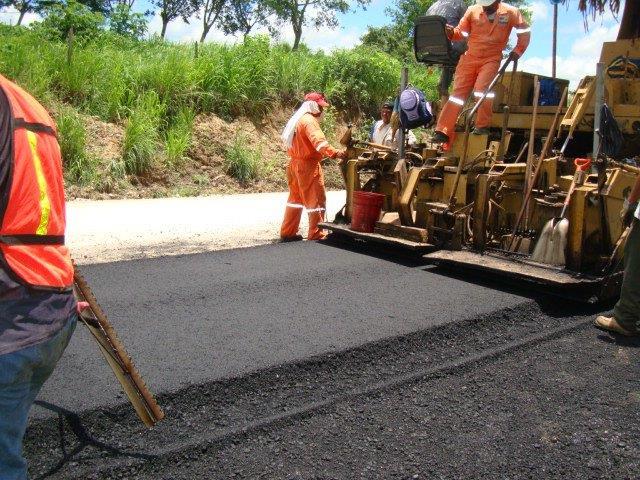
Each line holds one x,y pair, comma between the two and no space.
430,43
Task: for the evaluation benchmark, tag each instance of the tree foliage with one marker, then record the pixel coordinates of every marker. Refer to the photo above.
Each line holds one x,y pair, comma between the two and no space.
630,22
173,9
127,23
300,13
242,16
60,18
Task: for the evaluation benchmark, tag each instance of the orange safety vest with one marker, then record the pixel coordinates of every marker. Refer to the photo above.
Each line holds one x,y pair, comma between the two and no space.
32,208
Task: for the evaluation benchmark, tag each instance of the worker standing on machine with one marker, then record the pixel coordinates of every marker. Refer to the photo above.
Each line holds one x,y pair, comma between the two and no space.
486,26
307,146
37,306
626,313
452,11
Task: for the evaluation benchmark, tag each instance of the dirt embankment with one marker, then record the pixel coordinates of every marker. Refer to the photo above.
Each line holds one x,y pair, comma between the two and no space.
202,171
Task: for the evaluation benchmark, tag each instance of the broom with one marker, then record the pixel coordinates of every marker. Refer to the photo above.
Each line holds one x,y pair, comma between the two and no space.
550,248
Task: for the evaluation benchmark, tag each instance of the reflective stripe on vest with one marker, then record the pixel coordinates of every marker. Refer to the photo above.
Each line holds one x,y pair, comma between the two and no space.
32,208
45,203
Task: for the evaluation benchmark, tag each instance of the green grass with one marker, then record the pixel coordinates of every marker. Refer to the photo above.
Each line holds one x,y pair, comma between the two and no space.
107,75
178,137
242,162
141,135
79,167
155,89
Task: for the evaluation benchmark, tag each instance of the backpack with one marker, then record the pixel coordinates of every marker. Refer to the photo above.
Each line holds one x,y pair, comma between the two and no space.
414,109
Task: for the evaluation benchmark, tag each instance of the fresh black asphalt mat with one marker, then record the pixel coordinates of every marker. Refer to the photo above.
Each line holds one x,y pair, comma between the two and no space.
524,389
197,318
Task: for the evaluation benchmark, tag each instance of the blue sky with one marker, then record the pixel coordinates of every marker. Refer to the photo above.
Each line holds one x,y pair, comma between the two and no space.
578,50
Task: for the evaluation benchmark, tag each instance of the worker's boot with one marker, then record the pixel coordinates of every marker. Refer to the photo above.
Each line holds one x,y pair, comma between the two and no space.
439,137
295,238
480,131
611,325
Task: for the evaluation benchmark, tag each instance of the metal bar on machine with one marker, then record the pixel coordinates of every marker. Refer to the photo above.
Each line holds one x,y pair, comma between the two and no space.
599,101
404,80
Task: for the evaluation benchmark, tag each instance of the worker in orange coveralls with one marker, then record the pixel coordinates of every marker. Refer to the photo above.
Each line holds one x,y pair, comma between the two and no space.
486,26
306,146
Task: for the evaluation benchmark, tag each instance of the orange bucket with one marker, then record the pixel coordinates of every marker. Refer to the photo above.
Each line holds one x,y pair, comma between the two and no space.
366,211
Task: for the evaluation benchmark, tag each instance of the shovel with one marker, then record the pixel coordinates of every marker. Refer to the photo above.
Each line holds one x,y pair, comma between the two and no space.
552,243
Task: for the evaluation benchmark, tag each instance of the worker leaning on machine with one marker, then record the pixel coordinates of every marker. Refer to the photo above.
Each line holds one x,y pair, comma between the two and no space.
306,146
486,26
626,313
37,306
382,132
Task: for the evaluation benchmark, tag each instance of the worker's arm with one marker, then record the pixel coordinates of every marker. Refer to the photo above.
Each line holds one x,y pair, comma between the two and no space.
461,32
523,32
319,141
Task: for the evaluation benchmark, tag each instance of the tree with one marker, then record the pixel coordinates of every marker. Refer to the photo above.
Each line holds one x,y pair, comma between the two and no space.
60,18
23,7
127,23
396,38
303,12
630,22
126,3
172,9
211,12
243,15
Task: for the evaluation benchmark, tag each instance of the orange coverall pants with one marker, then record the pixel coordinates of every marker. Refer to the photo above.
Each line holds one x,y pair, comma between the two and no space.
473,74
306,190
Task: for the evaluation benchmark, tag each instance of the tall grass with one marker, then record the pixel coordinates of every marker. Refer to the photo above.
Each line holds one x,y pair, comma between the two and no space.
155,89
106,77
79,167
141,135
242,162
178,137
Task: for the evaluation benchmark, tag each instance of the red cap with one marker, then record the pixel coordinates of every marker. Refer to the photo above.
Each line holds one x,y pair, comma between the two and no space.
318,98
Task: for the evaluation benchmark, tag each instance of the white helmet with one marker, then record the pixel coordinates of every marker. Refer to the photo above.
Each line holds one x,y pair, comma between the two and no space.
485,3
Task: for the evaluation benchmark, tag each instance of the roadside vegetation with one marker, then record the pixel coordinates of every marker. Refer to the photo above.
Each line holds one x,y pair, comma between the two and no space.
154,92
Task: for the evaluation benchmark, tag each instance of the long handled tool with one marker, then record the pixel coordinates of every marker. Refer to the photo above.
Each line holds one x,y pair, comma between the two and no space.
543,155
552,243
505,134
532,133
467,128
114,352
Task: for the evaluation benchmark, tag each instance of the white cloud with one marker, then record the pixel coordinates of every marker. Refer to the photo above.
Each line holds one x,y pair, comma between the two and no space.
585,53
539,11
10,16
592,41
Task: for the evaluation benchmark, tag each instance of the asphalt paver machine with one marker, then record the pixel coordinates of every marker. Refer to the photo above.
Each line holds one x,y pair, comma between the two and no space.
483,204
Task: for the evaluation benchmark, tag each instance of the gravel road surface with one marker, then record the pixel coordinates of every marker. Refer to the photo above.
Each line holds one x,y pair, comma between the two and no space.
111,230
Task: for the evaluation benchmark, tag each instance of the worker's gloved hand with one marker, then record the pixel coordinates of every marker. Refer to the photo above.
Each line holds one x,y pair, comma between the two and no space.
628,211
449,31
513,56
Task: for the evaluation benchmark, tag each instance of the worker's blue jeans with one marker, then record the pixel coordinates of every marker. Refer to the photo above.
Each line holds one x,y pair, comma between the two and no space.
22,374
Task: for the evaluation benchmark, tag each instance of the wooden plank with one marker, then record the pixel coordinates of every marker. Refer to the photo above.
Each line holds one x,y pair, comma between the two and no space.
418,247
413,234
